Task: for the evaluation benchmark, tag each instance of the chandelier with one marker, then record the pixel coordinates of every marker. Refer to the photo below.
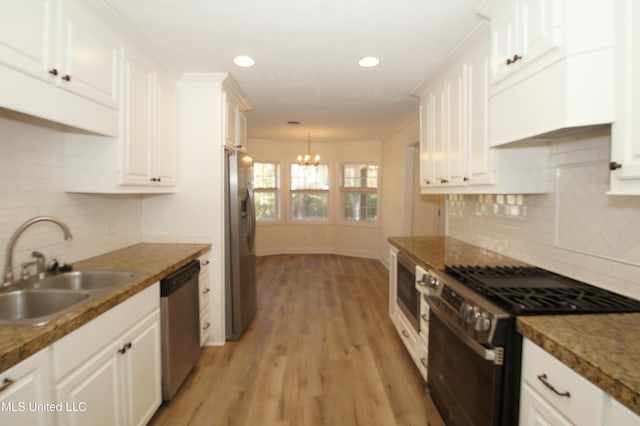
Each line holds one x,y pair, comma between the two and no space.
308,160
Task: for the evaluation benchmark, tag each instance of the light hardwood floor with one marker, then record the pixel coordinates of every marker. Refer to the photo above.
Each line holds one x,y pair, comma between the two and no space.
320,351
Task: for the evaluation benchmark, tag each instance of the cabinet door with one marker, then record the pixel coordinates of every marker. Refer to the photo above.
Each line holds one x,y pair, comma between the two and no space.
229,121
142,371
427,135
625,137
504,38
440,135
90,53
241,130
94,388
165,132
539,27
535,411
136,122
479,155
455,157
27,36
21,386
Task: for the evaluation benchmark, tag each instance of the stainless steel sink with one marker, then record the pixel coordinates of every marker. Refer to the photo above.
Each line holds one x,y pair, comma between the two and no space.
90,280
38,301
34,307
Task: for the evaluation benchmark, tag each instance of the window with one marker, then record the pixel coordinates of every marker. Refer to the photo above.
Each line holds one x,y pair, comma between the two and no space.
310,192
359,192
266,185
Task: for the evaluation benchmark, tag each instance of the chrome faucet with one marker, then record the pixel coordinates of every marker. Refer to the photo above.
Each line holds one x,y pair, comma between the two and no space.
8,262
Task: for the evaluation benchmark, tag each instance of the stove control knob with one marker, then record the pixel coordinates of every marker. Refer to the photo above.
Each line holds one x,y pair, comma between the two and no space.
465,310
483,322
434,283
473,315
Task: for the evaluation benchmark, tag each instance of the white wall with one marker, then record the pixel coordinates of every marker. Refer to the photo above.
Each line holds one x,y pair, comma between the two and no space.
337,237
31,184
399,204
575,230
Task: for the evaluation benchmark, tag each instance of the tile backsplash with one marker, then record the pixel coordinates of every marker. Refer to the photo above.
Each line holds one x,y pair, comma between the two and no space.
32,184
576,229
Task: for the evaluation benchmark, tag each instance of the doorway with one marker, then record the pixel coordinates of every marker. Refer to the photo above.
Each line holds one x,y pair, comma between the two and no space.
426,213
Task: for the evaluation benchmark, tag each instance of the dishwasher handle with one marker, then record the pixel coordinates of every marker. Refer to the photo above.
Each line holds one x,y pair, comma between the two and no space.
177,279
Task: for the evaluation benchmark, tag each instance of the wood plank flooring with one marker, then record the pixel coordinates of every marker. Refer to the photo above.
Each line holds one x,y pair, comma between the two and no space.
320,351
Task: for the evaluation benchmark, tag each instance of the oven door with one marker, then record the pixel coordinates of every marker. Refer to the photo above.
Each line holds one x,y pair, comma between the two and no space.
407,297
464,380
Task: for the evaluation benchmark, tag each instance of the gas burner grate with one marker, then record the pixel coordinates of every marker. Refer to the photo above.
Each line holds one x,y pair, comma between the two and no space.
523,290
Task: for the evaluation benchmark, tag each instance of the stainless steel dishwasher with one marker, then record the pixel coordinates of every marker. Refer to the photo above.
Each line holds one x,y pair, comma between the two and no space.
180,317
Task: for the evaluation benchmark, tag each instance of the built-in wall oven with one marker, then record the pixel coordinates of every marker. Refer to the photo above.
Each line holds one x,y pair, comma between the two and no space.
474,349
407,297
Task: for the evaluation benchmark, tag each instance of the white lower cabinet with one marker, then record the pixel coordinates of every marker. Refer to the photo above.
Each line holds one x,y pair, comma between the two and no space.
22,387
553,394
108,371
205,290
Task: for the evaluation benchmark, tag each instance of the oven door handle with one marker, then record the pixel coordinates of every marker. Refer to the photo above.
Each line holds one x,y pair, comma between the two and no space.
486,354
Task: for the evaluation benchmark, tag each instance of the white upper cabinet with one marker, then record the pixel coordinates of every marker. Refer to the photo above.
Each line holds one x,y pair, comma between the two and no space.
625,132
552,67
142,159
59,62
89,55
27,37
455,156
234,120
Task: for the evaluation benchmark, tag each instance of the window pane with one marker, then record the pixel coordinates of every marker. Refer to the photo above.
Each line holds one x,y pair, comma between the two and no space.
361,206
309,177
310,206
266,205
360,176
265,175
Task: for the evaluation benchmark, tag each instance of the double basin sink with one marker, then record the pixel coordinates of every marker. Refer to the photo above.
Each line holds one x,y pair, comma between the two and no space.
36,302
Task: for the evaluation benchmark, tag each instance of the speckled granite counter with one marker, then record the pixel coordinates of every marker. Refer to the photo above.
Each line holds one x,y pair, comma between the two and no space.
605,349
159,260
435,252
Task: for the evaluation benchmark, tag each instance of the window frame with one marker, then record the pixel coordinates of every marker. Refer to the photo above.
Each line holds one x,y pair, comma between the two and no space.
328,192
278,194
342,190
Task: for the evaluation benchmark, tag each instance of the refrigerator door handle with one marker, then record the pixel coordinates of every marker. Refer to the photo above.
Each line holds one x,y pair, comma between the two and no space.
252,218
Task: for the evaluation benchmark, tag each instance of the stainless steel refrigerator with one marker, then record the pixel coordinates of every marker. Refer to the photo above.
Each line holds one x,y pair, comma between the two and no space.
240,255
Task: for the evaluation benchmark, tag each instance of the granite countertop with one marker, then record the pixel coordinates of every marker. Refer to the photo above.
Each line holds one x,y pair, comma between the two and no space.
435,252
603,348
158,260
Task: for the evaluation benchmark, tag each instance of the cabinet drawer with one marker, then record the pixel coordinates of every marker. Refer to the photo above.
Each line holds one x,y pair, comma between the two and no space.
407,334
575,397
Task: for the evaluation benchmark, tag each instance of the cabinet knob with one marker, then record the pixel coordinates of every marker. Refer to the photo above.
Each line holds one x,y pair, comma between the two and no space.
206,290
123,349
466,179
66,77
443,181
6,383
614,166
513,60
53,71
206,326
155,179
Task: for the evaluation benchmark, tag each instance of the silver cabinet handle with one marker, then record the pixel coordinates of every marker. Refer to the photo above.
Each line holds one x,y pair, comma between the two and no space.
405,334
206,290
207,325
424,362
204,262
6,383
424,317
543,378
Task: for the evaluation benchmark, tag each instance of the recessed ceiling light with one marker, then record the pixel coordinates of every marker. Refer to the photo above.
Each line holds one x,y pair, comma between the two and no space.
244,61
369,61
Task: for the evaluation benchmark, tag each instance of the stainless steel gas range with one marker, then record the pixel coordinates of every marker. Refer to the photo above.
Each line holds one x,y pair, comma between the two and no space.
474,349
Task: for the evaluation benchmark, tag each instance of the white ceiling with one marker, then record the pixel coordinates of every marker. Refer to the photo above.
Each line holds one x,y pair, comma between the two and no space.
306,54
